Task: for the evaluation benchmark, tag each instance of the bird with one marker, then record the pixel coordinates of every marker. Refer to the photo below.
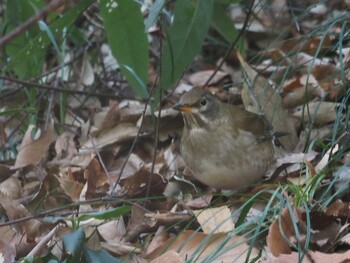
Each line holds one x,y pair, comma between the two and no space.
224,146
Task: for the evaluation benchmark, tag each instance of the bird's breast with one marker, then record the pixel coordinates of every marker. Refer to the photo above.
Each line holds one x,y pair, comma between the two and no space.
226,160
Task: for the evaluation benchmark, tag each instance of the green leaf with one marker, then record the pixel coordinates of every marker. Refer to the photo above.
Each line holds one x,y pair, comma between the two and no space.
39,43
154,11
223,24
73,244
227,2
98,256
105,215
185,37
18,12
126,35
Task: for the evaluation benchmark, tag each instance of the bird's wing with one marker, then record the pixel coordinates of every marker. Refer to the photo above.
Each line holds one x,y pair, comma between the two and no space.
251,122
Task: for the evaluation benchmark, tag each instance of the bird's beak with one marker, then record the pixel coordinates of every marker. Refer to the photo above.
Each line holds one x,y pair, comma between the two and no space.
182,107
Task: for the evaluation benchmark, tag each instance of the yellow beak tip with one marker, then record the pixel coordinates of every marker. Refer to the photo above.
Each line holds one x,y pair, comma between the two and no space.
182,107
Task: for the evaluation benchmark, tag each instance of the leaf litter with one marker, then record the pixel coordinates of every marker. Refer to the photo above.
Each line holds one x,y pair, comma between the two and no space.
42,196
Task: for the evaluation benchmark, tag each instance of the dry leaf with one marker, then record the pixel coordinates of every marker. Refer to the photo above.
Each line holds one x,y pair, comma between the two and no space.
32,151
215,220
200,78
7,252
170,257
264,97
324,161
87,76
97,181
312,257
65,146
275,240
319,112
11,188
119,133
196,247
14,210
296,91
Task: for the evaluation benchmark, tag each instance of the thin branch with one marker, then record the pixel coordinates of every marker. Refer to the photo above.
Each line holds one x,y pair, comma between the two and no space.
246,21
29,84
31,21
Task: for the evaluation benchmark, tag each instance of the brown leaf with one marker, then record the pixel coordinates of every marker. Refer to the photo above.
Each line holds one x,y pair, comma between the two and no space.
71,187
137,184
319,112
215,220
329,77
170,257
263,97
275,240
312,257
32,151
14,210
297,90
119,133
97,180
234,249
109,118
11,188
338,209
65,146
201,77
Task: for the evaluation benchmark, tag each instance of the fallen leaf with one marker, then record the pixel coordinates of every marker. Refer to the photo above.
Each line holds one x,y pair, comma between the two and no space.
215,220
259,95
275,240
196,247
33,150
318,112
312,257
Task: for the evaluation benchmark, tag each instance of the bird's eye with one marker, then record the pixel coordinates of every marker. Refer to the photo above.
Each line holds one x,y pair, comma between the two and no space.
203,102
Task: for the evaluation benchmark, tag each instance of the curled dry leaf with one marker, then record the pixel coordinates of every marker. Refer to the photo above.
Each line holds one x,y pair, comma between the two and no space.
131,110
65,146
96,179
318,112
11,188
329,78
295,90
325,159
71,187
32,151
275,240
137,184
264,97
87,76
119,133
138,224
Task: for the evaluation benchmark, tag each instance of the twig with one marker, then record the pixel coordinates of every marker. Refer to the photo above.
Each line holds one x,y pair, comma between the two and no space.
30,84
23,27
136,138
246,21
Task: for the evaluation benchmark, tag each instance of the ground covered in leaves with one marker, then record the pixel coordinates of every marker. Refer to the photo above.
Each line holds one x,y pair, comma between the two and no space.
98,176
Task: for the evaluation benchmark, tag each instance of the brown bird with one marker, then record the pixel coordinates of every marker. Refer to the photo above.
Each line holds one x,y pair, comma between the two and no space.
225,146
